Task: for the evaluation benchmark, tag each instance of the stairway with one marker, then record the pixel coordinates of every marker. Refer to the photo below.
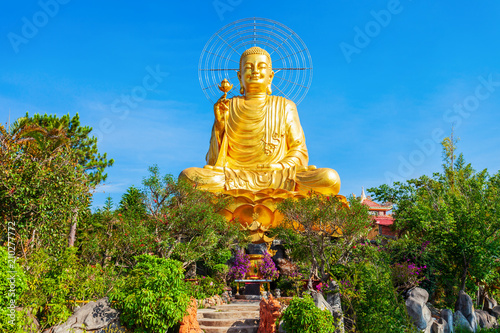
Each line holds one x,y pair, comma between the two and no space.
237,317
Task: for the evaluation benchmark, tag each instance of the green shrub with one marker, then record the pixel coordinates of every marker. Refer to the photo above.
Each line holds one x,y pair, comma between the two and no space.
377,307
154,296
12,285
302,316
55,282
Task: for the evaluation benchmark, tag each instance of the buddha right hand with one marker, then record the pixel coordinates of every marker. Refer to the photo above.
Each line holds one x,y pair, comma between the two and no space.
220,109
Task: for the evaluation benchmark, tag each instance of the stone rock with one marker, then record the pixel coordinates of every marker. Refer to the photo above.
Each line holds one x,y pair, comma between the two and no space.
447,315
270,310
485,320
495,312
440,326
335,310
90,317
320,302
460,321
473,321
464,304
436,313
489,303
189,323
417,309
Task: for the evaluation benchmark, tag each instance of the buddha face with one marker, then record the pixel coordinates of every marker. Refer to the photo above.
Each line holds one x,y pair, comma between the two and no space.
255,73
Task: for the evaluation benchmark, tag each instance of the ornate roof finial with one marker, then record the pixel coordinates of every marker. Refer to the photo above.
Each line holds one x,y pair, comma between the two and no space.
363,195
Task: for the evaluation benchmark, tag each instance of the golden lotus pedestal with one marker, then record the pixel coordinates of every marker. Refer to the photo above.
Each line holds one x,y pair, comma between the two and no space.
257,211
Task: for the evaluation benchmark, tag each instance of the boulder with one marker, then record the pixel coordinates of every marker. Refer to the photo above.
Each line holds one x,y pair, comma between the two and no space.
447,315
189,323
460,321
334,304
417,310
495,312
472,319
440,326
485,320
270,310
92,316
489,303
464,304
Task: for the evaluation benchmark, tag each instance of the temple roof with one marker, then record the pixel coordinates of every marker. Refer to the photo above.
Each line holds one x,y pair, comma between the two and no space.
371,204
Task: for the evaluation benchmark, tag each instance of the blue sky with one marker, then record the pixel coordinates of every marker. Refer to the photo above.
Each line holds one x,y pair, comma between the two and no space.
375,112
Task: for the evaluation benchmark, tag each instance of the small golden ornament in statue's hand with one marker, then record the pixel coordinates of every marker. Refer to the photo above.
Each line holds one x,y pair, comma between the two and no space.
222,105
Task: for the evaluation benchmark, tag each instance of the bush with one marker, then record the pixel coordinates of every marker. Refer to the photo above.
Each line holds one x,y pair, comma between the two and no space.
377,307
57,281
302,316
154,296
206,287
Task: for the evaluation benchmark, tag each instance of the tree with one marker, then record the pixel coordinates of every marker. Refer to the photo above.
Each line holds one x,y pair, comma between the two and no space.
48,132
43,136
457,211
39,195
327,227
187,224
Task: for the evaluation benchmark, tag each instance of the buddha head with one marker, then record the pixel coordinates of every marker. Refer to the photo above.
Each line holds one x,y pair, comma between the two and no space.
256,72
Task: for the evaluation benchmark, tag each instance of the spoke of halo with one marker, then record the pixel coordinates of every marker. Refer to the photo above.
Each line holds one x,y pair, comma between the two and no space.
218,55
283,42
227,44
285,95
290,55
290,82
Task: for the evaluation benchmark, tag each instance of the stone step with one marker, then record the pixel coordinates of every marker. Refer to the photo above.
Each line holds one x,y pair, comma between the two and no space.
238,329
228,315
228,322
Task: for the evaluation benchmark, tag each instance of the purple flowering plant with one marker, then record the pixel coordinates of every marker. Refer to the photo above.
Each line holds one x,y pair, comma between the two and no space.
407,275
240,266
267,268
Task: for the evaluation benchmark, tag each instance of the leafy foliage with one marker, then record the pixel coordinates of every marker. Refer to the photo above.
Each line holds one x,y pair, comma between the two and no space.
40,195
187,223
43,135
56,282
12,285
154,296
326,227
458,212
303,316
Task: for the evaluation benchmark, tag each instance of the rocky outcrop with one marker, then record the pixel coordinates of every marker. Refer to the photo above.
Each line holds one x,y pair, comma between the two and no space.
440,326
459,320
485,320
270,310
93,316
495,312
333,308
189,323
464,304
418,310
447,315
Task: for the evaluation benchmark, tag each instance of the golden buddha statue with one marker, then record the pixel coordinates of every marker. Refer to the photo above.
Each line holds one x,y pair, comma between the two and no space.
257,141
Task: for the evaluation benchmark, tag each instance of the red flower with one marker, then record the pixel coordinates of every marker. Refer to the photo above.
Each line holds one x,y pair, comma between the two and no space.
354,247
142,244
155,201
119,214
